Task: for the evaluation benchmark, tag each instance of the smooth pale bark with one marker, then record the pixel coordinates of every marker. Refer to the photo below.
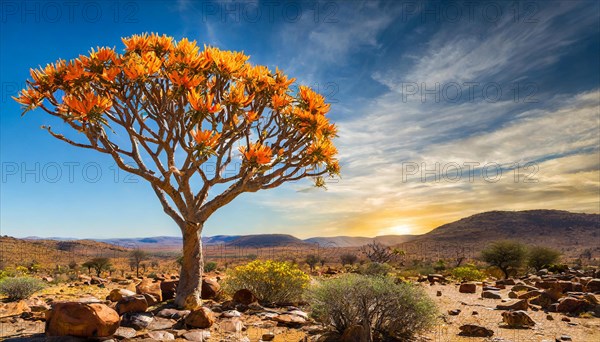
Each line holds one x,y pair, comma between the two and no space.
190,278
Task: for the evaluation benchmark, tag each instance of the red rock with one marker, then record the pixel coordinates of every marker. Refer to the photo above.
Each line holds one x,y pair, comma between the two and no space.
135,303
118,294
147,286
244,296
210,288
168,289
467,288
200,318
81,319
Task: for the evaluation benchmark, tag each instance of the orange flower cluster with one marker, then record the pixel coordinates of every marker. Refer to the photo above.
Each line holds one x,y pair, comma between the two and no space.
203,103
206,138
257,153
88,104
209,85
237,95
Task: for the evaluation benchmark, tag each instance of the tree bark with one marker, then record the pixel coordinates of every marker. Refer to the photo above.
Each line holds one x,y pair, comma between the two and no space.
190,279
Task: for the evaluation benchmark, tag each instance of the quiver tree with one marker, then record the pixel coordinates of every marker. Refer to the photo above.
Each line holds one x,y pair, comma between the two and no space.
188,122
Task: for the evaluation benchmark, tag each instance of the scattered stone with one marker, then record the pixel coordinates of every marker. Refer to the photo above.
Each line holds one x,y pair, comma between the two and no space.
571,305
564,338
474,313
454,312
491,288
436,278
200,318
168,288
549,317
517,319
161,336
244,296
197,335
173,313
513,295
137,320
520,304
289,320
150,299
467,288
508,281
522,287
593,285
135,303
491,295
472,330
231,325
160,323
530,294
147,286
125,332
81,319
231,313
565,319
268,337
210,288
118,294
439,293
13,308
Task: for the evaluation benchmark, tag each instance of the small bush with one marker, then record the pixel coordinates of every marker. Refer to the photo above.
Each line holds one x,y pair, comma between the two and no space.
348,259
210,266
539,257
468,273
20,288
375,269
271,281
390,311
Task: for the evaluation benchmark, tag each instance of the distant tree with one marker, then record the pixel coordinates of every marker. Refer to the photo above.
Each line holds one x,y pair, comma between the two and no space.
348,258
144,266
322,261
505,255
539,257
88,265
136,257
377,252
99,265
312,260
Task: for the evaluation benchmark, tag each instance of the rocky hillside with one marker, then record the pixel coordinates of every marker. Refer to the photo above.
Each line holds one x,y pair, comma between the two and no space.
570,232
21,252
357,241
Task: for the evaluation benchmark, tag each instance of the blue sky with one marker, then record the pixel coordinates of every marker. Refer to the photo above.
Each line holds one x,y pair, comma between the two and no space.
414,86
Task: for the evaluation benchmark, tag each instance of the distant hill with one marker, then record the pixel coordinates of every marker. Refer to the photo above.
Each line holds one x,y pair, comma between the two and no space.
21,252
566,231
357,241
266,240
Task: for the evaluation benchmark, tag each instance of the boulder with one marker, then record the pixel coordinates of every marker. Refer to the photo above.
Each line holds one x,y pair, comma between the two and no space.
472,330
517,319
147,286
244,296
160,323
173,313
593,285
152,300
491,295
571,305
508,281
168,289
81,319
118,294
197,335
200,318
210,288
467,288
290,319
522,287
268,337
519,304
513,295
135,303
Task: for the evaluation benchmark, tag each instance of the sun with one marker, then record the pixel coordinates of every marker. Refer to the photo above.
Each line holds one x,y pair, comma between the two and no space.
401,229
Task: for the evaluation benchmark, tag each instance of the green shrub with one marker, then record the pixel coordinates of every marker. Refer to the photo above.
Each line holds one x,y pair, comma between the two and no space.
375,269
20,288
210,266
539,257
271,281
468,273
388,310
558,268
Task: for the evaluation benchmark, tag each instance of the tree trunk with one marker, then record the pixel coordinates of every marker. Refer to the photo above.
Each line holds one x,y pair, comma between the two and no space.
190,278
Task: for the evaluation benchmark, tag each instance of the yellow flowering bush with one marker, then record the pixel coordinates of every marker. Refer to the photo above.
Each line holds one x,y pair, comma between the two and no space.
270,281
